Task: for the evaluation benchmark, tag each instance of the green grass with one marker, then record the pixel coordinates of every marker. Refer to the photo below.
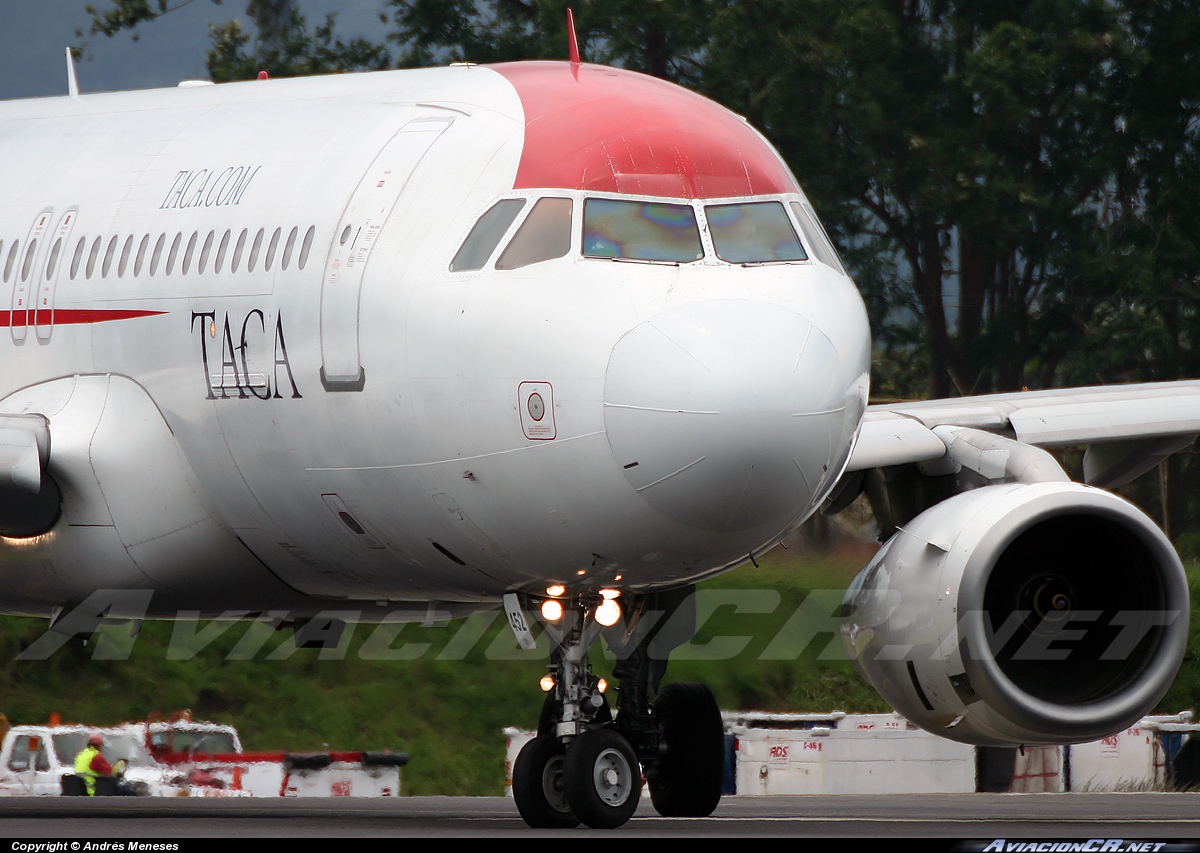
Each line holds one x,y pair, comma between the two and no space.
448,713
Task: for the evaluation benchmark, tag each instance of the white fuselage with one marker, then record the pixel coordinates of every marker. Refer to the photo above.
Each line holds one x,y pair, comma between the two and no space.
358,423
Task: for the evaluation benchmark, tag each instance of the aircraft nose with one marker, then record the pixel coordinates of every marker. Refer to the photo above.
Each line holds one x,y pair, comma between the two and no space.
727,415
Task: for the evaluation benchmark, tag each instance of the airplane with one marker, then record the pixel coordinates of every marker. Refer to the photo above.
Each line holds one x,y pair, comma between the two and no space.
548,336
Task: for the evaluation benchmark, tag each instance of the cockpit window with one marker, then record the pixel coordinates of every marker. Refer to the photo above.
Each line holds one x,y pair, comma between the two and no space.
816,237
753,232
641,231
544,235
486,234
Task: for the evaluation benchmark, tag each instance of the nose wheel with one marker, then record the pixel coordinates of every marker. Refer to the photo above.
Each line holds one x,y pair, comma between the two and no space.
586,765
538,786
602,778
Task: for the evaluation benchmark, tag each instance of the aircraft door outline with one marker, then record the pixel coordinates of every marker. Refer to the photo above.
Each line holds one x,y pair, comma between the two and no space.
43,305
372,202
26,267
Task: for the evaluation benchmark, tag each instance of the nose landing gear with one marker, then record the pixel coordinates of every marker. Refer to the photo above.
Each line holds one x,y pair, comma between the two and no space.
585,766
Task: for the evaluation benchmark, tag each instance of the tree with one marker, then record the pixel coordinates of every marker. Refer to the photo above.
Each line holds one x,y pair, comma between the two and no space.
283,44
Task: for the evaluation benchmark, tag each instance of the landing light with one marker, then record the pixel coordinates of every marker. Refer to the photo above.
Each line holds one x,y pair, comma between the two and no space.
608,613
552,611
601,685
608,594
555,590
547,683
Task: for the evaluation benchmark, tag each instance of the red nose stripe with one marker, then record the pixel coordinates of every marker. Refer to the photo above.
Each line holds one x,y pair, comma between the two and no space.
597,128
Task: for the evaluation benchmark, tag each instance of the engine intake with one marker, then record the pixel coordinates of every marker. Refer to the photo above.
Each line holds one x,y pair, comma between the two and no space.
1022,614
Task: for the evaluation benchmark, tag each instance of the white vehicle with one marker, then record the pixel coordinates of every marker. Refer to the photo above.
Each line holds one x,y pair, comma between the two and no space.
206,759
405,345
33,759
188,736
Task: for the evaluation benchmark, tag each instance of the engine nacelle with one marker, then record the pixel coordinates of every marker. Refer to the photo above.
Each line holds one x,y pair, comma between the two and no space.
1022,614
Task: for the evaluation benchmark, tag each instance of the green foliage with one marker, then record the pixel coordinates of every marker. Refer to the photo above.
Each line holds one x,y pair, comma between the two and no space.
125,15
1185,691
284,47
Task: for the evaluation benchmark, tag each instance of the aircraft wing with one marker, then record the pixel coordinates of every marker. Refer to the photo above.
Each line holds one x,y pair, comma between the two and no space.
1127,428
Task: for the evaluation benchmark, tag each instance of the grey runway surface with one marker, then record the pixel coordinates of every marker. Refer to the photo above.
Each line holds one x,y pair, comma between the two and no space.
1161,816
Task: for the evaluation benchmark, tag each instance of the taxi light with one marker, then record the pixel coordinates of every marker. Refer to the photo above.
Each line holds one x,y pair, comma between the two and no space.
555,590
547,683
601,685
608,594
608,613
552,610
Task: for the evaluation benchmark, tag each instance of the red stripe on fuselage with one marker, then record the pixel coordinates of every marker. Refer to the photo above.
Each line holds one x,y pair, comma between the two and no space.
74,316
592,127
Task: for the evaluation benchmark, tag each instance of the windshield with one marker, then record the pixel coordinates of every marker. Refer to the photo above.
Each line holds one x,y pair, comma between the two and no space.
815,234
193,741
753,232
543,236
640,230
116,746
486,234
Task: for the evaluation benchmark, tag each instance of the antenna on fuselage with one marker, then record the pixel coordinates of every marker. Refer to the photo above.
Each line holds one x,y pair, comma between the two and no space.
72,80
572,42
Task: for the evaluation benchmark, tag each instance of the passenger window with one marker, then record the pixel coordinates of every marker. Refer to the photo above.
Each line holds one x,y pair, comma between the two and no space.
544,235
640,231
271,247
753,232
108,256
53,258
12,258
29,253
287,250
258,238
189,252
237,251
156,257
815,234
174,253
485,236
204,252
141,255
75,261
221,251
92,255
306,245
123,264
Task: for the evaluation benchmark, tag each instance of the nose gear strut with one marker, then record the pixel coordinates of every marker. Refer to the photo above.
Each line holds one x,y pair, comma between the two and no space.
584,765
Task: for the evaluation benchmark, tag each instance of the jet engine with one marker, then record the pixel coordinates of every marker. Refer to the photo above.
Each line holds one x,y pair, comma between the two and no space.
1012,614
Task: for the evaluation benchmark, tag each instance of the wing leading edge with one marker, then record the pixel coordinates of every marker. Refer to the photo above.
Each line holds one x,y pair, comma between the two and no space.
1128,428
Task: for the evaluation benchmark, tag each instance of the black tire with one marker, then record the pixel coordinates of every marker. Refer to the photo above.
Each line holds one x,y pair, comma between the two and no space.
602,778
538,785
691,772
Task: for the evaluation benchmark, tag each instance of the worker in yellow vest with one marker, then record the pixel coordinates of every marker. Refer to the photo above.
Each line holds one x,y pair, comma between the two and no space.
90,764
